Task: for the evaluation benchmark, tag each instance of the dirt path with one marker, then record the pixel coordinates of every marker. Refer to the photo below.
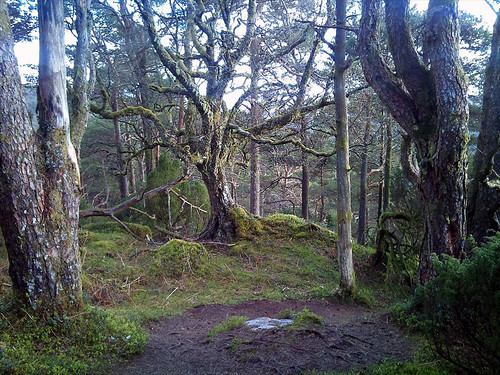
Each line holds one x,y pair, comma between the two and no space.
352,337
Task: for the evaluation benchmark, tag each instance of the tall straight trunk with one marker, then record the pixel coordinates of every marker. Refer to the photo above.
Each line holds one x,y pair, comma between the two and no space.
344,213
484,194
387,167
39,176
305,173
362,178
322,197
254,178
305,187
255,117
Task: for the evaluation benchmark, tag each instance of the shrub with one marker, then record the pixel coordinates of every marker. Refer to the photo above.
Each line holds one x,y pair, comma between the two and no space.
459,309
170,211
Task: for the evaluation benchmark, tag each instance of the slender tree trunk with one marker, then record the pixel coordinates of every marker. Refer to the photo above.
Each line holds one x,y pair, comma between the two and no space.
387,166
344,213
254,178
122,177
39,183
305,174
322,197
255,116
484,194
362,177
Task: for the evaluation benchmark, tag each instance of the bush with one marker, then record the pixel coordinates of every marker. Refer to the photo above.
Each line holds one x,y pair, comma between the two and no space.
459,309
170,211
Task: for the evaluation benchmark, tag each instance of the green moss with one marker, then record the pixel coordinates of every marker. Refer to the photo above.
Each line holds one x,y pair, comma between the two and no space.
178,257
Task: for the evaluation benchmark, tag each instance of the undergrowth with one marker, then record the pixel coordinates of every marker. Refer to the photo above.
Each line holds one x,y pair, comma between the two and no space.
82,344
278,257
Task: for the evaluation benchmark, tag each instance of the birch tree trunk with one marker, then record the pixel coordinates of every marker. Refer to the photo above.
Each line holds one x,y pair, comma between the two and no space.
39,176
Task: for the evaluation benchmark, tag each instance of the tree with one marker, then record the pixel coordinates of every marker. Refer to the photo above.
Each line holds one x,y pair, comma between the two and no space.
482,216
39,176
344,213
428,98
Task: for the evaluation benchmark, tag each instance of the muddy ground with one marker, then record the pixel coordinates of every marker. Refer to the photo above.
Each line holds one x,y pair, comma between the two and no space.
351,338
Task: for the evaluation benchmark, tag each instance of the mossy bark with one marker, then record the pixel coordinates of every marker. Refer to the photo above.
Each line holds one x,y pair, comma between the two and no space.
39,177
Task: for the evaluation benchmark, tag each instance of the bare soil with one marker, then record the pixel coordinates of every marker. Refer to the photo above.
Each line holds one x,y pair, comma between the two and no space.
351,338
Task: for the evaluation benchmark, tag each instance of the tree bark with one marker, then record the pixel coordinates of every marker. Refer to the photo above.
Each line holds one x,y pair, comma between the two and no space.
484,192
39,175
430,104
363,177
221,226
305,174
344,213
387,167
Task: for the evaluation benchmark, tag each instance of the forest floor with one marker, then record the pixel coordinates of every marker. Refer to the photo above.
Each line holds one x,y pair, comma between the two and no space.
350,338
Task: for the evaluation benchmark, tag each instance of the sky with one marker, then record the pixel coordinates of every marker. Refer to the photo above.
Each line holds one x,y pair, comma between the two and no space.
27,53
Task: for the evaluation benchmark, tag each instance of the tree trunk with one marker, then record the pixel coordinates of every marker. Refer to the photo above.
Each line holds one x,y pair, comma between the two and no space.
430,103
344,213
305,188
254,178
305,174
362,177
122,176
39,183
484,193
255,117
387,167
220,225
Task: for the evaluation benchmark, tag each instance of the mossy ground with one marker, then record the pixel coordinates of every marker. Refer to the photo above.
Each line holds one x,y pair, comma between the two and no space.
279,257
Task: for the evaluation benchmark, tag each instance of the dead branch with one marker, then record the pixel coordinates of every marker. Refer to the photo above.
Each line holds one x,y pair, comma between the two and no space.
184,200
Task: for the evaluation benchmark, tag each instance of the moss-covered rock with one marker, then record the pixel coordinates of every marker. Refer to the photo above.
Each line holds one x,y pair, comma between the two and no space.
177,257
250,226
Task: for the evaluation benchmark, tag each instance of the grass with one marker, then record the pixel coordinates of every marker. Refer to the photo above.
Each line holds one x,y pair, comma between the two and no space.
227,325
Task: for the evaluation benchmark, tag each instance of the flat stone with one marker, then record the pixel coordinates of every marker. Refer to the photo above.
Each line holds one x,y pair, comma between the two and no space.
267,323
